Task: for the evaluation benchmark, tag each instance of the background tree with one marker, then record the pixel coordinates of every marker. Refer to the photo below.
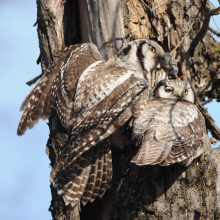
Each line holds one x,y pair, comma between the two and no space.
149,192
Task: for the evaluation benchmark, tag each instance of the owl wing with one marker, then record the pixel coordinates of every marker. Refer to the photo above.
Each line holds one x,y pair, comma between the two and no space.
97,82
174,132
103,119
91,129
191,138
57,86
87,177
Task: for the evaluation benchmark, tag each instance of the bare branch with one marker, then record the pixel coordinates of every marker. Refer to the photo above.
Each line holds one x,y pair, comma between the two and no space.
206,102
203,29
34,80
215,11
145,5
211,4
160,5
210,123
213,140
35,23
214,32
183,37
134,4
215,23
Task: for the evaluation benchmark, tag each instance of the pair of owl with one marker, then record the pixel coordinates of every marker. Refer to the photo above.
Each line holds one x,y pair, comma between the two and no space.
95,98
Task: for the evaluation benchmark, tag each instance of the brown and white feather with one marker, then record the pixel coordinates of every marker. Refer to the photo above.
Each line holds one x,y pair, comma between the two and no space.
59,82
170,130
93,97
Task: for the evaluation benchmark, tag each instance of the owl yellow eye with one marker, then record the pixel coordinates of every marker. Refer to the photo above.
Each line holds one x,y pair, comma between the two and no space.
152,50
186,91
168,90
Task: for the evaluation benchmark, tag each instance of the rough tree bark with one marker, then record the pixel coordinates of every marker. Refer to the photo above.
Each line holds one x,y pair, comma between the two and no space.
149,192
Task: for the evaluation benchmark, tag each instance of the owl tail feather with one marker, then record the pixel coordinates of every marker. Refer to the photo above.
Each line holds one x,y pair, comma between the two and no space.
101,173
33,104
86,177
187,154
152,152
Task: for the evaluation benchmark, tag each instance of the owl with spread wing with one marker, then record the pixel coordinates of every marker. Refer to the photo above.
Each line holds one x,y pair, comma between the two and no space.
94,98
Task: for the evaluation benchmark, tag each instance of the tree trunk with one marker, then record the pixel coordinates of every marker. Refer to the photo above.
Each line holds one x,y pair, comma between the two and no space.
148,192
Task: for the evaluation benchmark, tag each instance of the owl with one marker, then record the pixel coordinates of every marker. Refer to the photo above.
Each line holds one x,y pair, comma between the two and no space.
94,98
169,127
79,79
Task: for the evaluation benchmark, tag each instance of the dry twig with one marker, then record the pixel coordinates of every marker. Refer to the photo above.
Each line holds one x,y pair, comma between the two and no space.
145,5
211,4
160,5
206,102
215,11
215,24
210,123
34,80
214,32
183,37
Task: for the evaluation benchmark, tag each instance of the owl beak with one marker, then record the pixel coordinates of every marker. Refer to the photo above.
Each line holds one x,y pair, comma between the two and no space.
180,94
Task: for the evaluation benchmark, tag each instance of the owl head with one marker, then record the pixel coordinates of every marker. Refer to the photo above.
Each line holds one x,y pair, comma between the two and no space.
144,56
173,89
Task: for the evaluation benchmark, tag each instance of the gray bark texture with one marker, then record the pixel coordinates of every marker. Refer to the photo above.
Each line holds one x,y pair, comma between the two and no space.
180,27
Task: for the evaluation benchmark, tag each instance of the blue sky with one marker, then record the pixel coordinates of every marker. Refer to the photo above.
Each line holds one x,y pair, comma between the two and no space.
24,182
24,165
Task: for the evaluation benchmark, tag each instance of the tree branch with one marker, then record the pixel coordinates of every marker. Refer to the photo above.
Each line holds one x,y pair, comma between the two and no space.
202,31
160,5
145,5
184,36
206,102
210,123
215,11
215,23
34,80
214,32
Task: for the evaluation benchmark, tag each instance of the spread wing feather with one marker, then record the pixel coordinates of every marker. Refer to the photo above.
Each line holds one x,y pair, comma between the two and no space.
108,109
97,82
61,78
94,127
87,177
34,103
